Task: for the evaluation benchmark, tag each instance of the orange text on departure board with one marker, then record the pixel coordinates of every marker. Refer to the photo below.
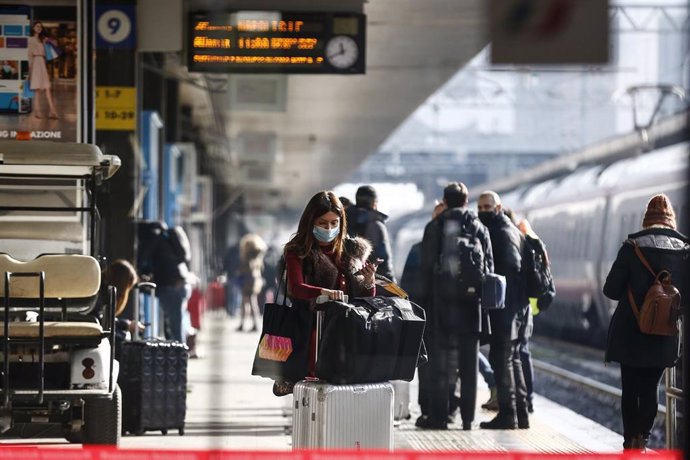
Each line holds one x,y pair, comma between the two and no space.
252,25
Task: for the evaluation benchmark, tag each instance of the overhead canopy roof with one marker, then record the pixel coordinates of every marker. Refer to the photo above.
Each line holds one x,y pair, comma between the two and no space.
331,123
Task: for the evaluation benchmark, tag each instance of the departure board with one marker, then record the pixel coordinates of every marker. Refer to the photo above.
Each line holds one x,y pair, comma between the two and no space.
276,42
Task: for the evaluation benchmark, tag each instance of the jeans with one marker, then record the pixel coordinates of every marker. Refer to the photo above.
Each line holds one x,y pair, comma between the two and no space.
173,302
486,371
233,296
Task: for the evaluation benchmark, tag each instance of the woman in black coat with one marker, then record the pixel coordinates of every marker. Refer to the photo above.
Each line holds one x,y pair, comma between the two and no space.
643,357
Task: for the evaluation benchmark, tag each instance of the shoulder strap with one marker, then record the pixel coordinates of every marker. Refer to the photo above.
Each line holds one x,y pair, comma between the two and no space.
283,282
633,305
642,258
638,252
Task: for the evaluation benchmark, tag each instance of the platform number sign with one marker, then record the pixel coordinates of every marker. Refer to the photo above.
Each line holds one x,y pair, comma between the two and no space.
115,26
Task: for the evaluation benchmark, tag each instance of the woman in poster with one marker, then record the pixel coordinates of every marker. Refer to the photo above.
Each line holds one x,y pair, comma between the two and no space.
38,72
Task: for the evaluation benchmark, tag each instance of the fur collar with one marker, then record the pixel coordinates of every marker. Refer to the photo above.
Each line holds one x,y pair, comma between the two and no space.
319,269
356,251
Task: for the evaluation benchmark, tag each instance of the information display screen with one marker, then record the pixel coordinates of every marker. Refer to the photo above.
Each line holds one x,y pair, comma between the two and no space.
276,42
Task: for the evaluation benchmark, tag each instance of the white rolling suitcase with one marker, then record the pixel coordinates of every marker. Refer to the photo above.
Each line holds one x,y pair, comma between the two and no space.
358,416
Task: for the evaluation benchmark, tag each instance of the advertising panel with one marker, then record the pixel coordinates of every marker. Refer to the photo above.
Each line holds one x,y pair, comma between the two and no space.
39,74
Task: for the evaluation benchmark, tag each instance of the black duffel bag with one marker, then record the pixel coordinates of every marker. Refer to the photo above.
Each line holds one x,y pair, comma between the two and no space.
372,339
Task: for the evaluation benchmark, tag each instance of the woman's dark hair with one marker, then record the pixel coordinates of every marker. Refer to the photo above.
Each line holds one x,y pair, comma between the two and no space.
123,276
42,34
303,241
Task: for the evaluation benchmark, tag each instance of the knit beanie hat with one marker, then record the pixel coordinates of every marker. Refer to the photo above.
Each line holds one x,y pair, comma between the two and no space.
659,212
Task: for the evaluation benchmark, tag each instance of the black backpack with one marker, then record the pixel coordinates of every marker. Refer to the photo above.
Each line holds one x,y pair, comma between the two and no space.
536,271
461,263
179,243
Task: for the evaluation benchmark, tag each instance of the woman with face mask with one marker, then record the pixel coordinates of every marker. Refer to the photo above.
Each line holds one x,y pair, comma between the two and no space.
322,260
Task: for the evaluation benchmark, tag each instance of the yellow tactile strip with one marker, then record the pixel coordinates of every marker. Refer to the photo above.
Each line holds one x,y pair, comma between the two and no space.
538,439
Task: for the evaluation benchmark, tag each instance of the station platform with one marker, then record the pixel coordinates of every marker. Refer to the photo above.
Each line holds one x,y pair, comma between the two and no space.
228,409
238,411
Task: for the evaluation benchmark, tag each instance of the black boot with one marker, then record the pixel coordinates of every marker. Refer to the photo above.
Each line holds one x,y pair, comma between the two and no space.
427,423
500,422
639,443
523,423
522,417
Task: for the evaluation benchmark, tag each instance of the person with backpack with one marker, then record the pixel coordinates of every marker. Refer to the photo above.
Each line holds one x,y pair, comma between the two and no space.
456,254
643,356
508,245
366,221
170,256
541,292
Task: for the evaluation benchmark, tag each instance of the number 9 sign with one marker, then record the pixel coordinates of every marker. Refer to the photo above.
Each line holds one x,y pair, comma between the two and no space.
114,26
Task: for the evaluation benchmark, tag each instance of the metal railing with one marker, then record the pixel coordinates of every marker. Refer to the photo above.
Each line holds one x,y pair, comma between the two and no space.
673,395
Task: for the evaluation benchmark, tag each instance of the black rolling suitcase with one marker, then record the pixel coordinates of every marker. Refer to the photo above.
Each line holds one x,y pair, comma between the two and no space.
153,379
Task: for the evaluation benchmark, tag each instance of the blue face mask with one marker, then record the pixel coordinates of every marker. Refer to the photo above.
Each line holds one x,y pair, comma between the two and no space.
325,235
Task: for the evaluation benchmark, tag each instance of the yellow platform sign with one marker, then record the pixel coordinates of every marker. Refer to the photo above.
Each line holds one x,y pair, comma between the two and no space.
116,108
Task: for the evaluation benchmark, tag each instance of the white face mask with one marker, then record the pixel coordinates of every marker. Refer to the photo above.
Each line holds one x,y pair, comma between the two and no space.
325,235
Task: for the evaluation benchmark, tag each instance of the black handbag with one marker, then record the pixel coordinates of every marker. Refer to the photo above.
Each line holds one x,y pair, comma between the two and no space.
283,349
372,339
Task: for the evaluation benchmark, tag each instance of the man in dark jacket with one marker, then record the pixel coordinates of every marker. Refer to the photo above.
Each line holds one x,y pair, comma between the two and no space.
643,357
453,320
364,220
507,246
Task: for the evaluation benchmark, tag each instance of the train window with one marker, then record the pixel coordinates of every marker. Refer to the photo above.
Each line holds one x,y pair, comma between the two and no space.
624,225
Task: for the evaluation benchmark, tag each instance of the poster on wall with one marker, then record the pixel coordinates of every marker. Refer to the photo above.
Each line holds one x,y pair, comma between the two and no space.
39,75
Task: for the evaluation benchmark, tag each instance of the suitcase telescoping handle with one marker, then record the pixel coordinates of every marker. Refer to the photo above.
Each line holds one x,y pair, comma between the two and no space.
143,286
319,321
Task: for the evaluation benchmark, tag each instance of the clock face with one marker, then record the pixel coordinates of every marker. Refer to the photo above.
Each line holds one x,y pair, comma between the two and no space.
342,52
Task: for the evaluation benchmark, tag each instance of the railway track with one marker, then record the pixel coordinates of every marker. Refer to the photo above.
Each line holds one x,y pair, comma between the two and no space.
576,377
